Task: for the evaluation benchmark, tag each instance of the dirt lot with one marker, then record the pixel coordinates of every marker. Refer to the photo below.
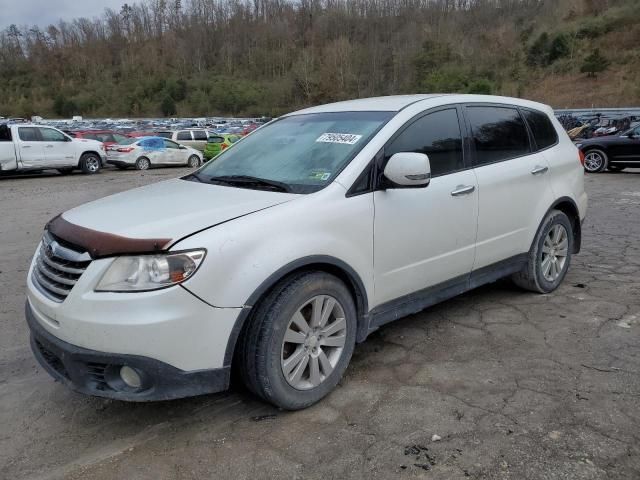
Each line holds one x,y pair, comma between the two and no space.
517,385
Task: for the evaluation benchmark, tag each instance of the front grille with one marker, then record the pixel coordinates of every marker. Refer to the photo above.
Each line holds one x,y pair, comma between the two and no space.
58,268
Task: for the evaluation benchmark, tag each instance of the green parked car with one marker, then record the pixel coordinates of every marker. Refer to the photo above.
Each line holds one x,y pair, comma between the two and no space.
218,143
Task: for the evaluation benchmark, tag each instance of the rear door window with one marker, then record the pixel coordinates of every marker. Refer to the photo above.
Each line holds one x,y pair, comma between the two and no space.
499,133
199,135
544,133
28,134
152,143
215,140
184,135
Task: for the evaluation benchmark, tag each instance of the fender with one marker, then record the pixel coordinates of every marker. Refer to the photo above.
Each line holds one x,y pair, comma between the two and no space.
574,216
354,281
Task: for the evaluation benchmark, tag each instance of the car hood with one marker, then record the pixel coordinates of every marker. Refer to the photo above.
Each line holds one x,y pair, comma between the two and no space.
87,140
599,140
160,214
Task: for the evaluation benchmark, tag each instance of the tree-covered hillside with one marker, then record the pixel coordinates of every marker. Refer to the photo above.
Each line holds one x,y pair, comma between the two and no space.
206,57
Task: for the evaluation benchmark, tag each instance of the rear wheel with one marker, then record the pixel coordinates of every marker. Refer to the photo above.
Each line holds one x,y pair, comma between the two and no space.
550,255
194,161
299,340
143,163
595,161
90,163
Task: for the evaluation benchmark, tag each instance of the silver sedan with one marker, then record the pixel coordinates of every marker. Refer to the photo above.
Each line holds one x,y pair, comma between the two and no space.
146,152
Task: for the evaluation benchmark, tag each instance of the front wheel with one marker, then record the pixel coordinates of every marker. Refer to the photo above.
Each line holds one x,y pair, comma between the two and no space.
299,341
595,161
550,255
90,163
194,161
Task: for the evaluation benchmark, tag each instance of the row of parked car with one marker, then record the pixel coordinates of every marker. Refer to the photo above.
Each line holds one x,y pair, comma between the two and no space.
33,148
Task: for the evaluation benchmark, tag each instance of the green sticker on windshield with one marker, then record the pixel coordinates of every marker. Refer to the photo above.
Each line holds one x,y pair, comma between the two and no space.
319,175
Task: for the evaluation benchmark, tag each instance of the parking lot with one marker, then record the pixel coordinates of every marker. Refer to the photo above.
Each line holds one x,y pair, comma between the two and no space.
512,384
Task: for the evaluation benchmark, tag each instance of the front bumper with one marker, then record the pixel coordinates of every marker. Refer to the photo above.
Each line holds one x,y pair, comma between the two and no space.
97,373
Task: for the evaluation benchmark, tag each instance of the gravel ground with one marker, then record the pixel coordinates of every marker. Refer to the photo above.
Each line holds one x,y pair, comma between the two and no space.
516,385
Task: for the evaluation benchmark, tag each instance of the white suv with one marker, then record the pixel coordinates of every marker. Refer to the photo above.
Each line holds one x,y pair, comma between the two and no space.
301,240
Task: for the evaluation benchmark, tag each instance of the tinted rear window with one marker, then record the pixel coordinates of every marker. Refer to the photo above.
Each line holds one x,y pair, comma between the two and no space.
184,136
543,131
199,135
499,133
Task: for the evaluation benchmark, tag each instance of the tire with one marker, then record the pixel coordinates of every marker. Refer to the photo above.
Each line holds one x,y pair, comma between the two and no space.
264,354
194,161
595,161
143,163
615,168
90,163
542,274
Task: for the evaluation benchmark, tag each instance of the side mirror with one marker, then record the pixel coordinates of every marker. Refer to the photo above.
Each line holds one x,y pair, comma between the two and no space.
408,170
182,147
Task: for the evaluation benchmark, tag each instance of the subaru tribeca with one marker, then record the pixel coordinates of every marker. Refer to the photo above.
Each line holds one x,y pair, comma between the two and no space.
277,261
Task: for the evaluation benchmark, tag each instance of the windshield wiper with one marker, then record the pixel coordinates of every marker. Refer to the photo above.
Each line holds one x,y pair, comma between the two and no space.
249,181
194,176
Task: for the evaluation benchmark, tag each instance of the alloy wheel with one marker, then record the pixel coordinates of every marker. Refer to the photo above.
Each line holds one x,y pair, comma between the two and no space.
554,252
593,161
92,164
143,164
313,342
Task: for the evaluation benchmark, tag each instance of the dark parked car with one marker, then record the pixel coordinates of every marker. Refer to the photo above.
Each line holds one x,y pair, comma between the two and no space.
615,152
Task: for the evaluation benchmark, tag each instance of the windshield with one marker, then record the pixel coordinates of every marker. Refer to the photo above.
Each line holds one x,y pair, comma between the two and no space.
302,153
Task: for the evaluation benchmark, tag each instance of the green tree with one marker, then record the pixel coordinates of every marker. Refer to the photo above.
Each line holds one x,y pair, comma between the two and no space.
168,106
537,54
594,63
558,48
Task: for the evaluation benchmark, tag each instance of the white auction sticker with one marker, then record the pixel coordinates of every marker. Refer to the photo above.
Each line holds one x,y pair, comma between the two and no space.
346,138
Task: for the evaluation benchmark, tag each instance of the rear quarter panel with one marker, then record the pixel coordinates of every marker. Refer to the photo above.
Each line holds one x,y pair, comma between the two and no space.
567,173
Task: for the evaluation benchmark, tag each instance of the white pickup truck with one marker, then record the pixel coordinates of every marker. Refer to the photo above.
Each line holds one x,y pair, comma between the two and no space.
32,148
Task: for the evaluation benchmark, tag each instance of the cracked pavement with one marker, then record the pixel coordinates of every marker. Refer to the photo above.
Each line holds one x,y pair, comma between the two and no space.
517,385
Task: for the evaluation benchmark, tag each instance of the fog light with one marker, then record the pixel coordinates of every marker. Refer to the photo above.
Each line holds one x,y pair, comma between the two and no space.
130,377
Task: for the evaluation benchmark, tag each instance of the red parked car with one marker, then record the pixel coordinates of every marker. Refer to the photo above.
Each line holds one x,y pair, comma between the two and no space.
107,137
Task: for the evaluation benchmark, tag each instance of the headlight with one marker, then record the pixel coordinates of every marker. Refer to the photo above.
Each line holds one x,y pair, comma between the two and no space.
150,272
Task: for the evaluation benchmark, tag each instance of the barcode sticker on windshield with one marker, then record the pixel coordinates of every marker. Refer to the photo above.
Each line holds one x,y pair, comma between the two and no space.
346,138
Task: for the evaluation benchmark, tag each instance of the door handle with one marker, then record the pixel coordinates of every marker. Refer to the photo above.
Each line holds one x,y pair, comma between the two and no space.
26,146
49,146
539,170
462,190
